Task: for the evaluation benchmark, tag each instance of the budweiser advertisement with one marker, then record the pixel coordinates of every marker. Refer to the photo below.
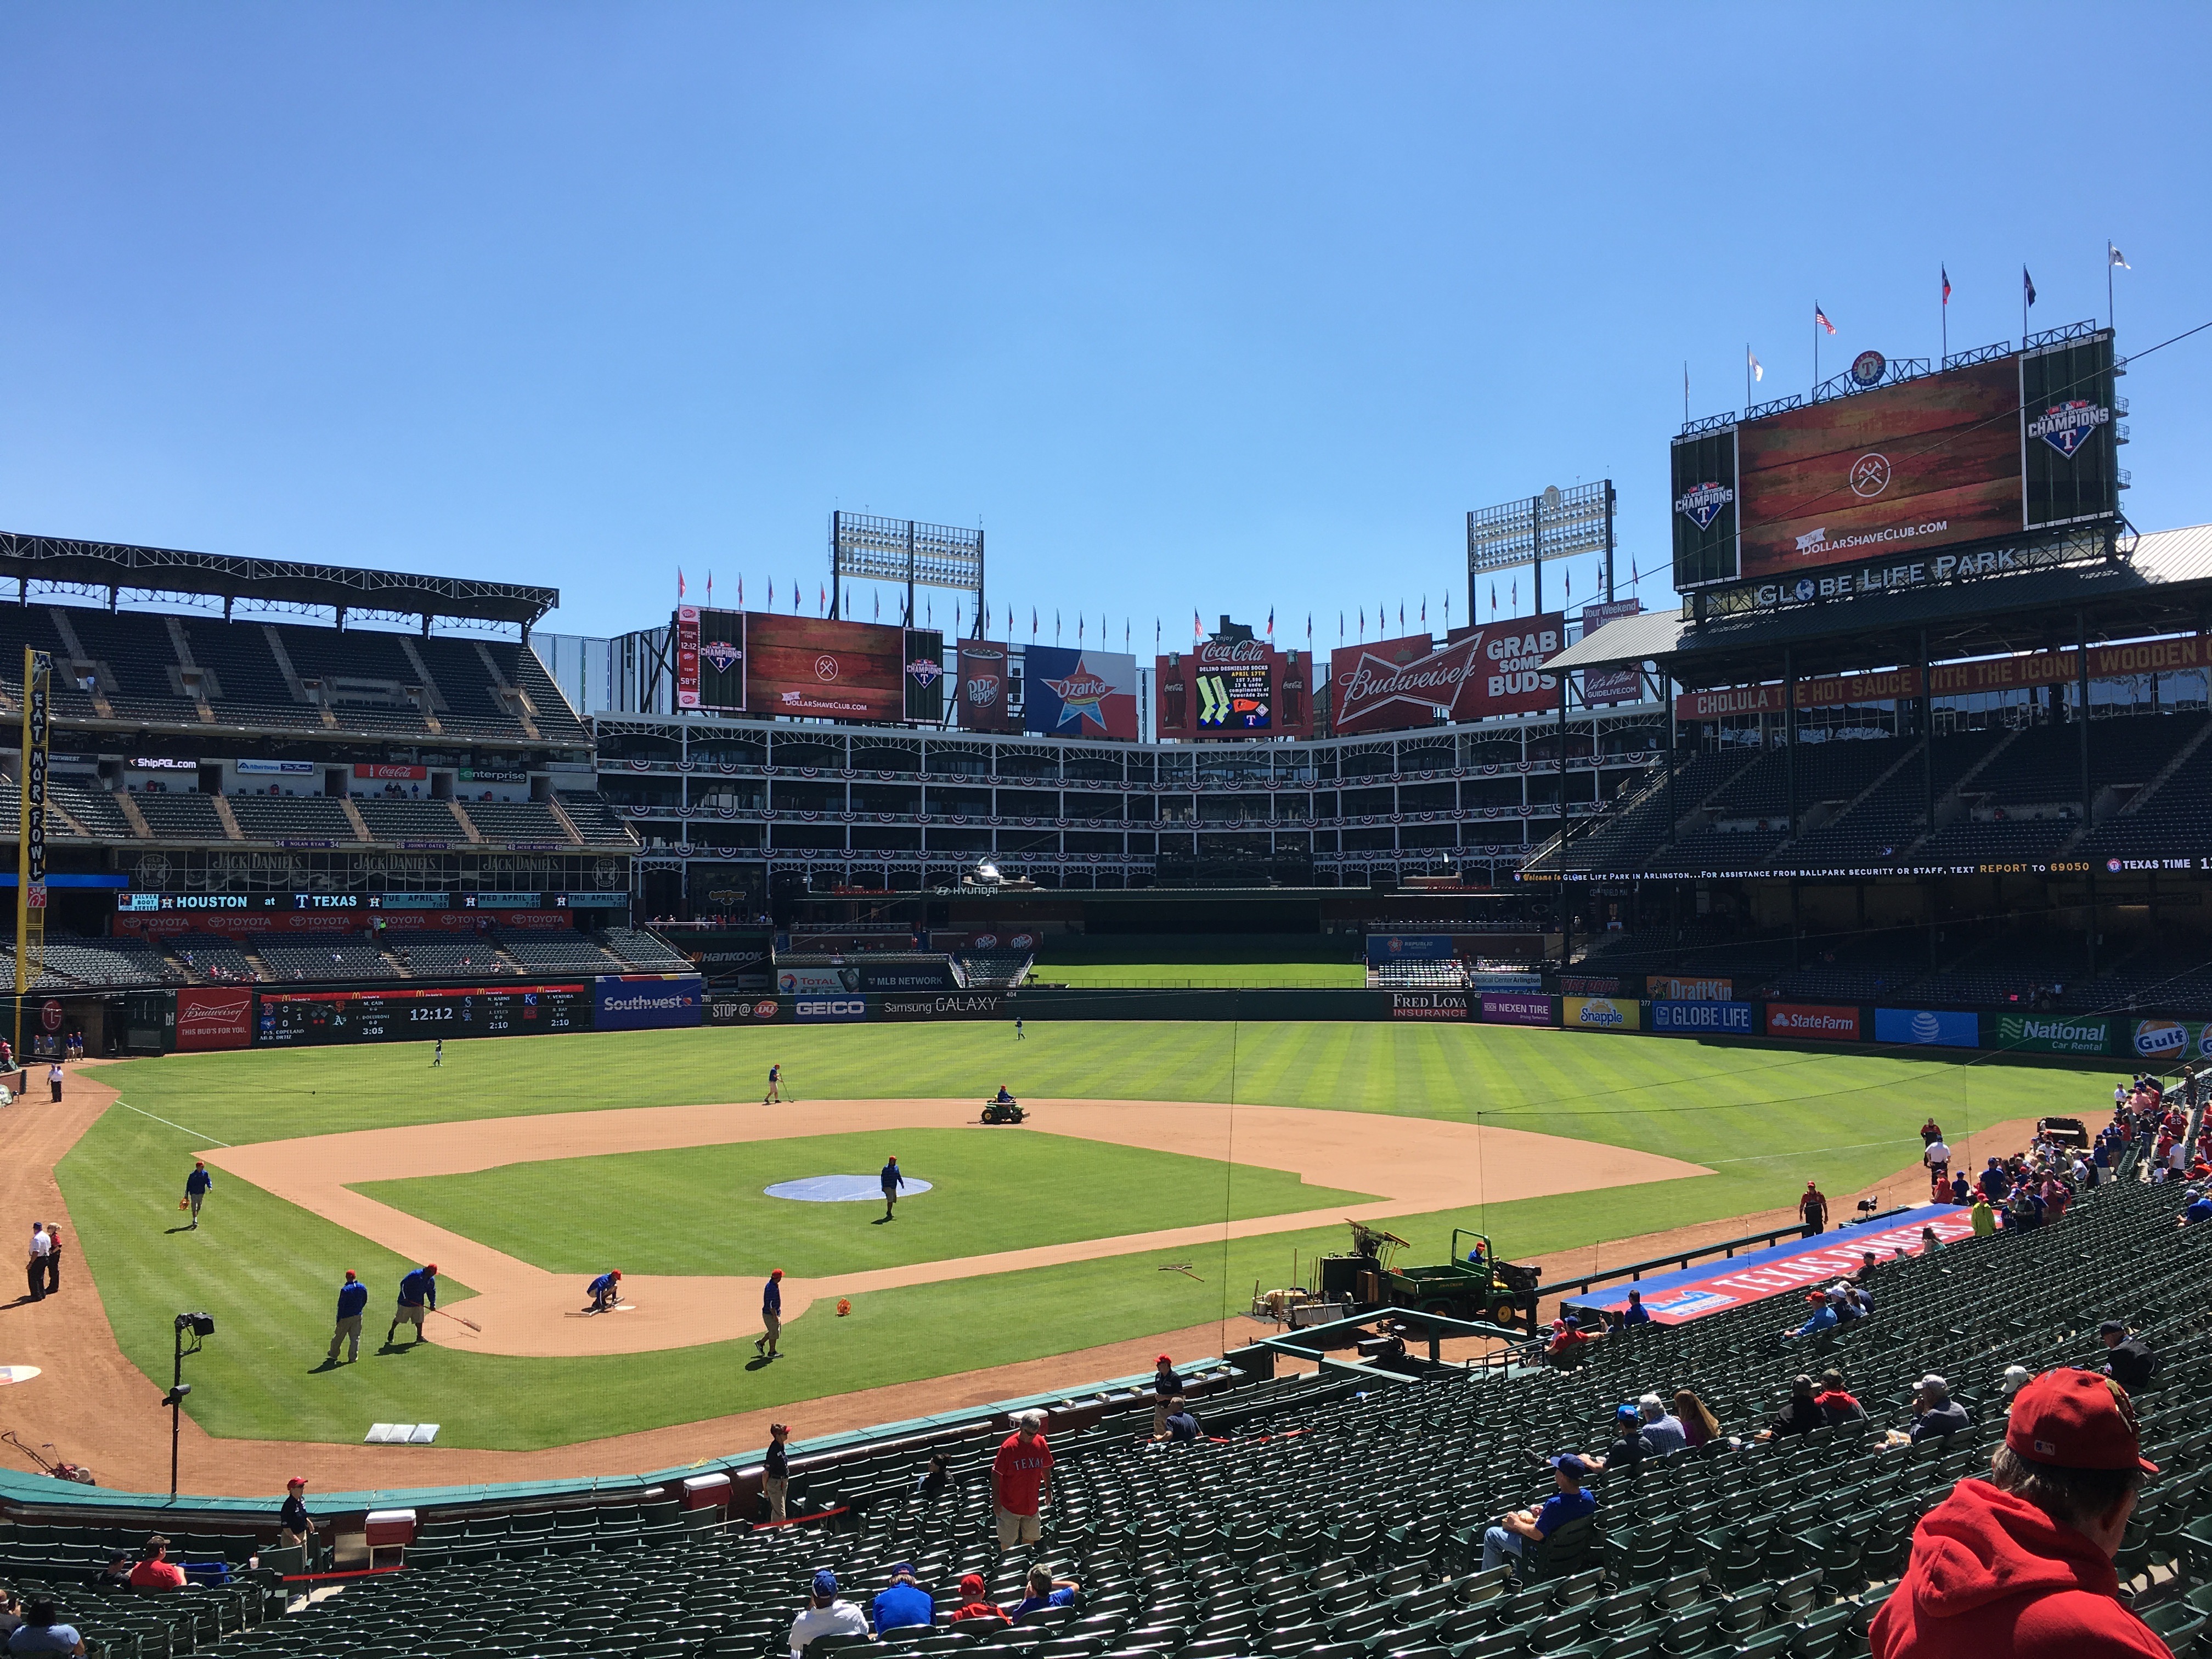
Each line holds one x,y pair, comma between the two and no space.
1232,688
980,699
1478,672
215,1016
1075,693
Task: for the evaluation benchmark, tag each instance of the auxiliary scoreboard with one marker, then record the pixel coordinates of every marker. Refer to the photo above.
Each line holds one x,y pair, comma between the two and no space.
299,1018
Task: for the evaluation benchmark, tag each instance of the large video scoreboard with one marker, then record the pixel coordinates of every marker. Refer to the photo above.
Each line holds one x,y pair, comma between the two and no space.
297,1018
1905,468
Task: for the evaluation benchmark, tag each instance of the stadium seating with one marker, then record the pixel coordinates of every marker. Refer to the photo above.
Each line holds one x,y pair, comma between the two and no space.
289,818
410,820
647,952
181,816
212,957
511,821
109,961
993,971
598,823
559,953
420,954
332,956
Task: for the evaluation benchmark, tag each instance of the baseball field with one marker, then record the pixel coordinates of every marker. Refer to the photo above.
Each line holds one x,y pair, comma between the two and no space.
1166,1168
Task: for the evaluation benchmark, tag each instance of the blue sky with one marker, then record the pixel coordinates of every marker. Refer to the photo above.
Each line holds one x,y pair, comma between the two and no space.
1208,308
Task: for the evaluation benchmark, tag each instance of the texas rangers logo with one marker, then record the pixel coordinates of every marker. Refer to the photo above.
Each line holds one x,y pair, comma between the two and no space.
1703,504
2065,426
1080,695
925,671
721,653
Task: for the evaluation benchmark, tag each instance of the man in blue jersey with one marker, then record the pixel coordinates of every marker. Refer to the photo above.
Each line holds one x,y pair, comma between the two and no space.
606,1290
771,1314
353,1296
417,1290
892,1181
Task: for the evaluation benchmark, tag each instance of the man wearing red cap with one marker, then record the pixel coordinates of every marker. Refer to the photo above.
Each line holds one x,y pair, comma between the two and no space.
1813,1208
974,1604
1166,1386
294,1526
416,1290
2021,1564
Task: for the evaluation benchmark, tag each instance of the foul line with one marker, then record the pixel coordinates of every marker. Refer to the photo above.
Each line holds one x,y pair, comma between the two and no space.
179,1128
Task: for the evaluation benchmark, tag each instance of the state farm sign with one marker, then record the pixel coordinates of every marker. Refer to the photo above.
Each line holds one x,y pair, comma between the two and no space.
1478,672
214,1016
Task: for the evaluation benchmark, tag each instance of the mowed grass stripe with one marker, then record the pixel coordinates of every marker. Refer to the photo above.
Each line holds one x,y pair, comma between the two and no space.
704,1209
269,1271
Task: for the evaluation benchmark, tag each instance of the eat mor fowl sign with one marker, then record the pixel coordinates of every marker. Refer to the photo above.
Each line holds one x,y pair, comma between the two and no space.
1478,672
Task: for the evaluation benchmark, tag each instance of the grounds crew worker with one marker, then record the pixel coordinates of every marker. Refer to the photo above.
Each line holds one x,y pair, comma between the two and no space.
2019,1562
419,1287
1814,1207
353,1297
771,1313
892,1181
605,1290
196,1189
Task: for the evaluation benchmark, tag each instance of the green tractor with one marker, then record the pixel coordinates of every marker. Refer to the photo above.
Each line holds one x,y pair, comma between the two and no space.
1474,1284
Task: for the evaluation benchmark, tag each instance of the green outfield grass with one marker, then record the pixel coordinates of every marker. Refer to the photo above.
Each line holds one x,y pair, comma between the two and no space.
1762,1119
990,1191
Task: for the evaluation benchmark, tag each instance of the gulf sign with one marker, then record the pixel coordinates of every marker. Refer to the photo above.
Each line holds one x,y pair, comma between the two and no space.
2173,1039
1477,673
1600,1013
1808,1019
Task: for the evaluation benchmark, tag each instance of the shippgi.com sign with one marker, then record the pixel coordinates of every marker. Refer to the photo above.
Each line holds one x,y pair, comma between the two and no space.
1705,1018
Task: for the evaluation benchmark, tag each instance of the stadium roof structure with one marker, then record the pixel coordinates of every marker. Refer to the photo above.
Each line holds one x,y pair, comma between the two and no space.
2162,585
61,562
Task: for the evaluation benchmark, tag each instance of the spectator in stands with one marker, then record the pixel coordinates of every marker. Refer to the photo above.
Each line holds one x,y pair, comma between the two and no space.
116,1576
1813,1210
1664,1432
1044,1591
1021,1477
2199,1209
1853,1304
1994,1182
2019,1562
904,1602
2129,1360
43,1632
2023,1210
1931,1241
1516,1527
776,1470
155,1571
1183,1427
1630,1445
973,1604
937,1478
1565,1347
1934,1412
1826,1314
1983,1218
1801,1416
826,1613
1838,1405
1636,1313
1698,1423
2015,1378
295,1528
1166,1386
1962,1190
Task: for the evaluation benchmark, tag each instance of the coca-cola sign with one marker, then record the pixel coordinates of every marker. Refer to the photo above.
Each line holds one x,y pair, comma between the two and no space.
1493,670
1221,653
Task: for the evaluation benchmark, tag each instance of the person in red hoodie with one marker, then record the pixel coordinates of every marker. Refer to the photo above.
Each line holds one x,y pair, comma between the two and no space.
2020,1565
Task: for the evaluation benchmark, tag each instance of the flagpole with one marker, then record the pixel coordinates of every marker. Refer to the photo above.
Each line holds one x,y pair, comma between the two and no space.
2108,282
1944,305
1746,374
1816,346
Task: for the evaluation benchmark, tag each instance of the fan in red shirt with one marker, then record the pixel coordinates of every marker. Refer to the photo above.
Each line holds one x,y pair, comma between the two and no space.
974,1604
2020,1565
1018,1477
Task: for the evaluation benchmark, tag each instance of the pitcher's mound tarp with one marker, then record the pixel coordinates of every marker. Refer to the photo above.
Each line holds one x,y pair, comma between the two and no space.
1802,1264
